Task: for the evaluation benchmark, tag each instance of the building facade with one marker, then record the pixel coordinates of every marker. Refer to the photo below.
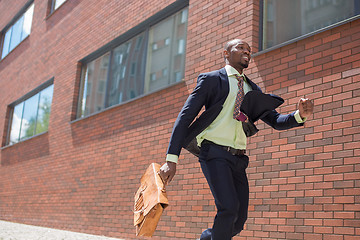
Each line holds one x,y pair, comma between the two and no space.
90,90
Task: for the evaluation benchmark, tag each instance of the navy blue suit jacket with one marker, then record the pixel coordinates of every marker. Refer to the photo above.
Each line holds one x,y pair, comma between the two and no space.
211,91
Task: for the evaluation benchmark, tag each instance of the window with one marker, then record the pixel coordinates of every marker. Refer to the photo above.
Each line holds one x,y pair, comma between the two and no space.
56,4
148,61
30,116
169,37
17,32
284,20
94,95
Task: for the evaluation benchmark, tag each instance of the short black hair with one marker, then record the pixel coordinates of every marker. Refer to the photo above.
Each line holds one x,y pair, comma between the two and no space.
231,43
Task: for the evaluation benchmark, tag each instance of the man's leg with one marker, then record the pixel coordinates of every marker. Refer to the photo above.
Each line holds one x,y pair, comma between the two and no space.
242,189
218,173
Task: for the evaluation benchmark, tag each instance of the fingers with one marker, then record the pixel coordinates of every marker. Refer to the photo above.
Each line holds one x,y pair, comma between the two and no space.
170,178
164,175
167,172
305,107
307,104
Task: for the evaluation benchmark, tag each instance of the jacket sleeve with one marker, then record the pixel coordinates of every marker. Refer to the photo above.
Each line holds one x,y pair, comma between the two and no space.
276,120
281,121
188,113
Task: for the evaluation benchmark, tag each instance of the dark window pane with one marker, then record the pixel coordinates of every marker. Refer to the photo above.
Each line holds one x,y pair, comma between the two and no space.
94,94
127,71
145,63
285,20
167,52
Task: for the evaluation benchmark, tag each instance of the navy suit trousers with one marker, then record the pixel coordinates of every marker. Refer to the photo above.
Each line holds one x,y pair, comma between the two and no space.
226,176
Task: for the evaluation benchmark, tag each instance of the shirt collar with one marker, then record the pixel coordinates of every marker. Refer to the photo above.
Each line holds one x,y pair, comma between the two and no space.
231,71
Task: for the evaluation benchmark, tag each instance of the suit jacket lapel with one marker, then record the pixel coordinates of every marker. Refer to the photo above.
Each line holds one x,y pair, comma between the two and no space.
224,82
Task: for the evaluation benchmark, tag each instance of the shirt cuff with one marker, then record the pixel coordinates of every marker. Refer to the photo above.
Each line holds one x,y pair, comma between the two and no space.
298,118
172,158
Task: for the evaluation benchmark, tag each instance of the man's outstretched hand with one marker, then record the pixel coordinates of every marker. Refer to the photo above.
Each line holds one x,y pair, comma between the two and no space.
167,171
306,107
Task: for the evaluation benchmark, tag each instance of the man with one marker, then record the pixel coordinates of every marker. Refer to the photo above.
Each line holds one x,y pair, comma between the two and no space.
220,136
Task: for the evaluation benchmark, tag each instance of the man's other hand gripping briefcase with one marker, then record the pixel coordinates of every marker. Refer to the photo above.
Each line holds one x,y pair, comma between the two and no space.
150,201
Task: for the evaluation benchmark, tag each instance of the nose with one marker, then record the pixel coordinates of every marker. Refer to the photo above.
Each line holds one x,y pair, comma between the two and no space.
247,51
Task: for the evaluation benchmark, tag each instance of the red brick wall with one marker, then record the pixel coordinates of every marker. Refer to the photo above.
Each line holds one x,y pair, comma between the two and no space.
305,182
82,175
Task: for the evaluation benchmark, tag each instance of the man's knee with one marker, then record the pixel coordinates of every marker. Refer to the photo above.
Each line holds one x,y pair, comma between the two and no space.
230,210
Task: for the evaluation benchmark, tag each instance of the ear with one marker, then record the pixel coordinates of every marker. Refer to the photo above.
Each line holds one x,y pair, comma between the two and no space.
226,54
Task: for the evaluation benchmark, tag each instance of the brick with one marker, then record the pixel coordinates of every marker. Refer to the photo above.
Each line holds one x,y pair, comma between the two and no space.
333,147
347,124
323,100
342,96
313,136
331,38
344,215
344,230
351,237
351,102
344,199
351,72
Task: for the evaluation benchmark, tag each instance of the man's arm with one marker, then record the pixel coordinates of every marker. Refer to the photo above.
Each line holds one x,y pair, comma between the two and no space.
190,110
286,121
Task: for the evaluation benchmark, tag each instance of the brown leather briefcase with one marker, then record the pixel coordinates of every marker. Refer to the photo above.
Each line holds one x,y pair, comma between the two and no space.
150,201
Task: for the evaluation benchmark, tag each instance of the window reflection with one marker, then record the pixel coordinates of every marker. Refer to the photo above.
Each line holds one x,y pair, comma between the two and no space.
43,115
166,57
94,81
145,63
127,71
16,123
31,116
18,31
285,20
6,45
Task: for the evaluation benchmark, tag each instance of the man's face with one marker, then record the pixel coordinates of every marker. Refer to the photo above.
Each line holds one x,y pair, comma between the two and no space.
238,54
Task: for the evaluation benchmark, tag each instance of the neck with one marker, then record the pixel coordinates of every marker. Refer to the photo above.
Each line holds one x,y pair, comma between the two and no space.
240,69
